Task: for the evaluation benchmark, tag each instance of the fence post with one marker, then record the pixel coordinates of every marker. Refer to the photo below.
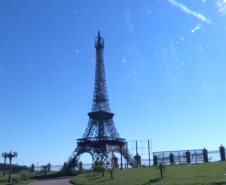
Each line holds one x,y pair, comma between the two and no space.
149,154
171,156
127,155
115,159
121,156
80,166
179,157
188,156
222,153
196,157
138,159
155,160
205,155
136,147
163,157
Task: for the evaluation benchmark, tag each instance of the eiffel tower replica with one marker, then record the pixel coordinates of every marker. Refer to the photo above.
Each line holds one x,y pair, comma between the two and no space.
101,138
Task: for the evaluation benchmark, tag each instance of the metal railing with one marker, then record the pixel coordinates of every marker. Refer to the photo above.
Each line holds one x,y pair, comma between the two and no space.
100,139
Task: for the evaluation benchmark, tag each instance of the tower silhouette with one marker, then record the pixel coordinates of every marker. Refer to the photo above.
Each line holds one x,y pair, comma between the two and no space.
101,138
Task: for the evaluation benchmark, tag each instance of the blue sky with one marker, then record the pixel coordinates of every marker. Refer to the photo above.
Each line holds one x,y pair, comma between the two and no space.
164,64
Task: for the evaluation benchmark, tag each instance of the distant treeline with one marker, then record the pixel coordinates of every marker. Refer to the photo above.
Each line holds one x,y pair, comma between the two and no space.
15,167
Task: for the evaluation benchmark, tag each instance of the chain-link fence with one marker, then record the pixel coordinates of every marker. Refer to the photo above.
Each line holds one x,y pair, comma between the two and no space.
189,156
182,156
144,149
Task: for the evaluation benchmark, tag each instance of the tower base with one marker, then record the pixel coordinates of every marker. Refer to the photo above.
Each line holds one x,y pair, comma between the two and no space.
100,150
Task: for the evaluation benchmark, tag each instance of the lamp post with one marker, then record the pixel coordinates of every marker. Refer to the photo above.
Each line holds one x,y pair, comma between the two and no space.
10,156
5,156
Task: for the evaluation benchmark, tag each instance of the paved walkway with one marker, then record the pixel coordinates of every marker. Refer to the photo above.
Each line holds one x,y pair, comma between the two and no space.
53,181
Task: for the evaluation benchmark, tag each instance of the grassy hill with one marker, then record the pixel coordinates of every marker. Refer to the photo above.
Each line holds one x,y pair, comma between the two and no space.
204,173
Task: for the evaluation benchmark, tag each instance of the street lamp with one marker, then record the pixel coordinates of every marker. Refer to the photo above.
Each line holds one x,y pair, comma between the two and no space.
10,156
5,156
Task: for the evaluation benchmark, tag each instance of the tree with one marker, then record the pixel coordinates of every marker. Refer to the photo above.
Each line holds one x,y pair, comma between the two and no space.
102,169
99,167
111,171
75,163
44,167
64,167
49,167
32,167
161,167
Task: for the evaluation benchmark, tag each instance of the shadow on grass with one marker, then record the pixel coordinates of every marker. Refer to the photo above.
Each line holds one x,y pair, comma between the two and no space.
105,180
94,178
153,180
89,176
55,175
49,179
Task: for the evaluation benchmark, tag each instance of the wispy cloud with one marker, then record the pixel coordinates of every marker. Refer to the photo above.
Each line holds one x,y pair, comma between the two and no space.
185,9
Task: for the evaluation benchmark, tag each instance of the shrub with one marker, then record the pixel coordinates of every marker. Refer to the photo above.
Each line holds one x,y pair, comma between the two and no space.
17,179
23,175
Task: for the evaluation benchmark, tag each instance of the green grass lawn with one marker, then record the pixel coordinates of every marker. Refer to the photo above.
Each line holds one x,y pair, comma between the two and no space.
4,180
33,176
205,173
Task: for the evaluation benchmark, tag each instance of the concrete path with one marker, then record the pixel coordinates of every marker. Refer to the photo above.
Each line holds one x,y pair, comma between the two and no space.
53,181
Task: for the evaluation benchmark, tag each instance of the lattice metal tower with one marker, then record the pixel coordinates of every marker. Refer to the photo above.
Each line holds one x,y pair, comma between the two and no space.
101,138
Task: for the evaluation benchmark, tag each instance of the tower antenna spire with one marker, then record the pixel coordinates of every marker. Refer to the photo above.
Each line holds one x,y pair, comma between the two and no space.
99,33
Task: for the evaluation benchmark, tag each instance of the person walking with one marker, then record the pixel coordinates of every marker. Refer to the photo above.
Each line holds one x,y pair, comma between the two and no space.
45,171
